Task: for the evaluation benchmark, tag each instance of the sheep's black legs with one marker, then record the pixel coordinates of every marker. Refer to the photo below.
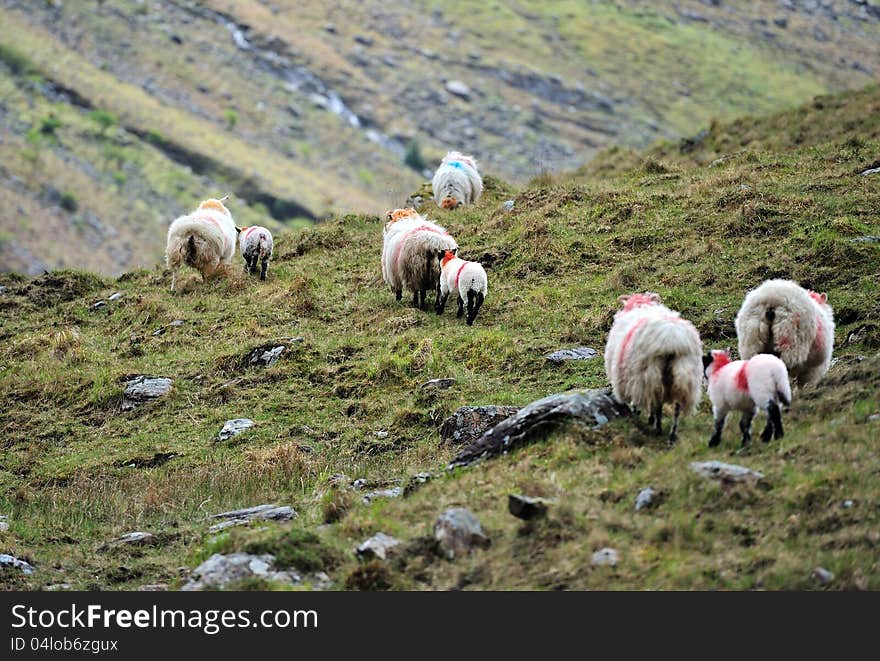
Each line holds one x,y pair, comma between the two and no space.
673,433
441,303
264,266
475,300
719,427
398,294
415,301
745,426
774,423
657,419
460,306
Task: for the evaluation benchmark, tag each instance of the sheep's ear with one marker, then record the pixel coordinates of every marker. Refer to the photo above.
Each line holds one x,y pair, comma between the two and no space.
708,359
623,298
238,229
455,251
654,297
224,198
823,297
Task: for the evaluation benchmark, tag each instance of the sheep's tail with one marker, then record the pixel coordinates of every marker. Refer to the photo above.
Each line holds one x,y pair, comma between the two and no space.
191,252
783,387
683,380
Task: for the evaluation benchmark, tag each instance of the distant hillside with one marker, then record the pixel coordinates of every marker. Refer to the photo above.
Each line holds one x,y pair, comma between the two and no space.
302,109
343,412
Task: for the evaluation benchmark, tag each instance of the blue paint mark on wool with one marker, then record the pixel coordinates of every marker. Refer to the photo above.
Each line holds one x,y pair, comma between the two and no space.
456,164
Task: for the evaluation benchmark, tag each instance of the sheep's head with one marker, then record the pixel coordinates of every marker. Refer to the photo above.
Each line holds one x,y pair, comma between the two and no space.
632,301
821,299
218,205
449,202
445,256
715,360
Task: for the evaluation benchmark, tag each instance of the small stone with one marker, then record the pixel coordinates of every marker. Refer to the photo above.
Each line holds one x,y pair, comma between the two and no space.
176,322
220,570
159,331
131,538
523,507
581,353
874,417
382,434
234,428
394,492
416,481
363,40
468,423
459,89
870,171
4,523
7,560
606,557
153,587
438,384
359,484
645,499
115,296
378,546
98,305
268,512
142,389
726,473
847,504
823,575
330,27
57,587
781,22
508,205
865,239
266,357
457,532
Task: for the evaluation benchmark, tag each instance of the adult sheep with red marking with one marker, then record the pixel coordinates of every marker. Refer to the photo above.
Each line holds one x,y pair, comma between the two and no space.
203,240
654,357
409,255
761,382
782,318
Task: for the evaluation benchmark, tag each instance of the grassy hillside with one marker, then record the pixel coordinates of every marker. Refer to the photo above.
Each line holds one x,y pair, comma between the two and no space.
304,109
750,202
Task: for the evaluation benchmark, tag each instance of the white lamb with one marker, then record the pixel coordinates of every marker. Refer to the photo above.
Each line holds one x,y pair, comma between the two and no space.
747,385
256,247
783,318
409,255
457,181
653,356
467,279
204,240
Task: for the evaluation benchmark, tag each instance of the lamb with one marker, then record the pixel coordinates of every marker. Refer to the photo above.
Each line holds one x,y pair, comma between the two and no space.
256,246
203,240
797,325
468,279
457,181
747,385
653,356
409,255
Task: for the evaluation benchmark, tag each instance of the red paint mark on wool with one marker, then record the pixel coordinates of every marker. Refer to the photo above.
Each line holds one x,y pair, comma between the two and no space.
627,340
819,340
638,300
741,380
249,231
458,275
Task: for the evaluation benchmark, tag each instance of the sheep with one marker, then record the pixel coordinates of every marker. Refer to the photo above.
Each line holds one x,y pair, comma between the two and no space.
747,385
468,279
653,356
203,240
457,181
797,325
409,254
256,246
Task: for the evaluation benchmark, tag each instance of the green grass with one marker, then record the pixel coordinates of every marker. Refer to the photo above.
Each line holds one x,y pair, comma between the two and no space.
700,235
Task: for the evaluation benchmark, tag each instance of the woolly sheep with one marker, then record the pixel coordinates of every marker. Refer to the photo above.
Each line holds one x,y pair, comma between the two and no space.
203,240
783,318
653,356
457,181
256,246
409,255
747,385
468,279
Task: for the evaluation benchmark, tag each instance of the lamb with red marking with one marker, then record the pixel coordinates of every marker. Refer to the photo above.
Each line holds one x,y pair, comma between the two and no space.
467,279
256,247
761,382
782,318
653,357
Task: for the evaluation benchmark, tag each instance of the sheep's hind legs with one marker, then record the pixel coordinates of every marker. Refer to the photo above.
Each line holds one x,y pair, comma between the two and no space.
656,419
441,303
719,427
264,267
460,306
673,433
774,423
745,427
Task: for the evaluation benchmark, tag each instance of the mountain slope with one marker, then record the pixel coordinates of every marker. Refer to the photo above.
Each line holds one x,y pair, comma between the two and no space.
345,401
302,109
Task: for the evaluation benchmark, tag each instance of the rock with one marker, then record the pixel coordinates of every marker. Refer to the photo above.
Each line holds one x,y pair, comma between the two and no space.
870,171
874,417
115,296
376,547
142,389
523,507
268,512
508,205
330,27
847,504
581,353
646,499
437,384
130,539
234,427
394,492
416,481
359,484
726,473
819,34
159,331
823,575
7,560
220,570
98,305
265,357
363,40
606,557
2,289
382,433
459,89
4,523
176,322
457,532
468,423
781,22
58,587
866,239
153,587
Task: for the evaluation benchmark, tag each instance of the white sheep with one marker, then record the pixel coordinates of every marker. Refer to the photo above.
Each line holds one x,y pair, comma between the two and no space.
783,318
457,181
467,279
409,255
761,382
653,356
204,240
256,247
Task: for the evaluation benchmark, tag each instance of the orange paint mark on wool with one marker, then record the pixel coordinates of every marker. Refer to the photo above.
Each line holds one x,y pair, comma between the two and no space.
448,256
448,203
213,204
